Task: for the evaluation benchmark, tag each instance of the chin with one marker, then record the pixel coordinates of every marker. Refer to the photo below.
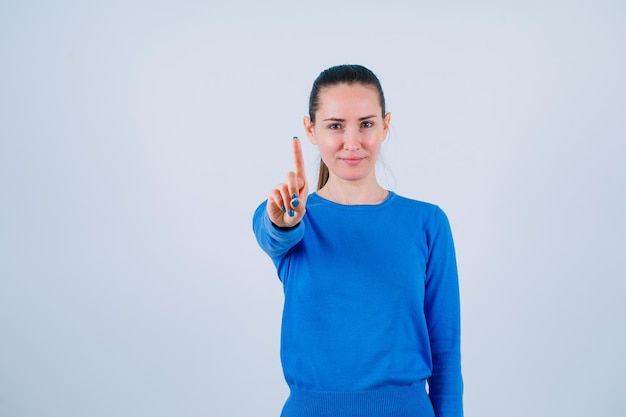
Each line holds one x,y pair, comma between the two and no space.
351,176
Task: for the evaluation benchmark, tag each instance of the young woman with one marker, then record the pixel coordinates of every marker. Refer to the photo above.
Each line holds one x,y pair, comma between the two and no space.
371,320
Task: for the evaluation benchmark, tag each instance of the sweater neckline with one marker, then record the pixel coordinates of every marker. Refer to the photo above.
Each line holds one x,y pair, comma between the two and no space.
390,196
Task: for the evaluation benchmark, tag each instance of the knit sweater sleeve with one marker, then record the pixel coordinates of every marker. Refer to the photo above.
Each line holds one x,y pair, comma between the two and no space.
275,241
442,310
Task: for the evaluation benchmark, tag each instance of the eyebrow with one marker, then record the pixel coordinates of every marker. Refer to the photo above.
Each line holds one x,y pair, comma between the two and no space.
335,119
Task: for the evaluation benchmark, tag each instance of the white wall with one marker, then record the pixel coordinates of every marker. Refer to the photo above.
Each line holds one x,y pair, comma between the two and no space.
136,139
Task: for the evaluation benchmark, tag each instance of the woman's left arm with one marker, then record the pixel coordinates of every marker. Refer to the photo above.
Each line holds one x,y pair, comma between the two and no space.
443,317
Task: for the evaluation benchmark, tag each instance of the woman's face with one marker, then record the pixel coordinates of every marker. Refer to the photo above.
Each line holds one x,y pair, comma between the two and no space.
348,129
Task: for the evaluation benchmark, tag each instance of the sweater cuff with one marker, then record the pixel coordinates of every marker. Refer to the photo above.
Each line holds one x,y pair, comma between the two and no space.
284,234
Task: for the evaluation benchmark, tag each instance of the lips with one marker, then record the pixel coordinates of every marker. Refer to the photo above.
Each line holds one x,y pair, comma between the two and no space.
352,160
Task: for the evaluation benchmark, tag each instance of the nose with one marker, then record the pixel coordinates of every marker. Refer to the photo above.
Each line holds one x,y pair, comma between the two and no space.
352,141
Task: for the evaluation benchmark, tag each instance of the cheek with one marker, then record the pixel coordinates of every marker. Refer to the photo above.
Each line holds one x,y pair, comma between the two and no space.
373,140
329,141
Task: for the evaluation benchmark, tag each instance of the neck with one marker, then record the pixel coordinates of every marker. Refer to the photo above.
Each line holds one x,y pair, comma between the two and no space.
352,192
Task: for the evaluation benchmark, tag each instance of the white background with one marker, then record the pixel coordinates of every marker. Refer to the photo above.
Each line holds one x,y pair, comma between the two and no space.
138,137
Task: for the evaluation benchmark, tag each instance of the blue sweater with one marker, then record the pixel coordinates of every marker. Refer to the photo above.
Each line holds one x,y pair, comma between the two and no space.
371,309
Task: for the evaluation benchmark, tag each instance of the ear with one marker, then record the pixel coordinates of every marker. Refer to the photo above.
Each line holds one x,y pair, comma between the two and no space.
386,121
309,128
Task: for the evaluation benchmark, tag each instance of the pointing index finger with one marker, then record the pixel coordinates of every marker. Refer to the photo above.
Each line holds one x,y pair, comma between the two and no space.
298,159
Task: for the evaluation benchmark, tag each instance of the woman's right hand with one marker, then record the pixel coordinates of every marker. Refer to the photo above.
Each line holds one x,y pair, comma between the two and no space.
286,203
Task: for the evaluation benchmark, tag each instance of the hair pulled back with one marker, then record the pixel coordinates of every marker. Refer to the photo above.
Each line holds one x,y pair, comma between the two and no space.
341,74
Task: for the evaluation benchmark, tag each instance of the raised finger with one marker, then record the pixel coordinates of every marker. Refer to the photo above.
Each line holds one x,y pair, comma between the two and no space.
298,160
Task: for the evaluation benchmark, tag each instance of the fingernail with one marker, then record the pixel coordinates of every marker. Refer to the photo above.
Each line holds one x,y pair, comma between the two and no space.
295,202
283,209
295,137
291,213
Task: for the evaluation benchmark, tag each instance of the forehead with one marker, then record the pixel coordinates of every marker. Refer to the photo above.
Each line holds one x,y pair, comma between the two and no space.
349,100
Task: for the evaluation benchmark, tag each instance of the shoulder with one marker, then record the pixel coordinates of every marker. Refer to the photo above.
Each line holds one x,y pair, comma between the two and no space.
416,205
411,202
429,214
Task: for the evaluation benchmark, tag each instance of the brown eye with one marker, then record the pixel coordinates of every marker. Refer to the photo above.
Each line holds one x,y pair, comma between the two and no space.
367,124
334,126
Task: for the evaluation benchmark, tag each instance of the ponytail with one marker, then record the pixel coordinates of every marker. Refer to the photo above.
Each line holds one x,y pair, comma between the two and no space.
323,175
